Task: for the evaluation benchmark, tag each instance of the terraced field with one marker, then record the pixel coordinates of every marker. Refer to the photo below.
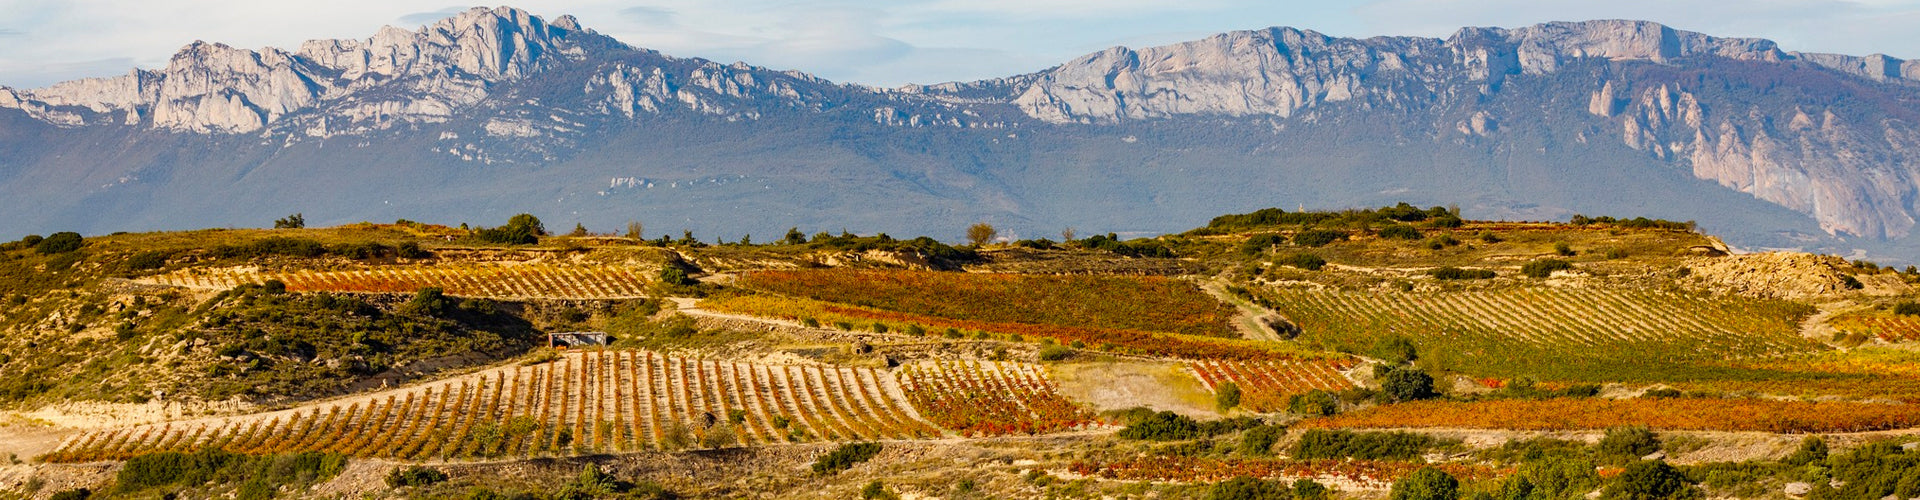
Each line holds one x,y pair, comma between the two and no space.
504,281
1266,385
597,401
1583,334
1150,304
990,398
1665,414
1891,328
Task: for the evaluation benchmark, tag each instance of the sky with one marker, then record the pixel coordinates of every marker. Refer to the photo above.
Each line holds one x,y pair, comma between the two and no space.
890,42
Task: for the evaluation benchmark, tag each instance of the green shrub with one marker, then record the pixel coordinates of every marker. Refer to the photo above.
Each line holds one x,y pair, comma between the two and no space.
61,242
73,494
1455,273
1850,282
148,260
1907,309
1812,449
845,457
1427,483
1394,350
1303,260
1338,444
1227,396
1400,232
1651,480
1055,353
1544,267
1629,441
1260,243
1248,488
1315,402
1308,489
1318,237
414,476
877,491
1259,441
1561,249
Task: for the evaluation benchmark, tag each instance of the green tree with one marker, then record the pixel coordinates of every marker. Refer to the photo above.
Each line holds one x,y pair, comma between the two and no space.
794,237
295,221
61,242
578,230
1406,383
981,233
529,222
1427,483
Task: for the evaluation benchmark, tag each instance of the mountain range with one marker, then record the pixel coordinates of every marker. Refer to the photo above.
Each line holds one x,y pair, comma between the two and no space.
498,111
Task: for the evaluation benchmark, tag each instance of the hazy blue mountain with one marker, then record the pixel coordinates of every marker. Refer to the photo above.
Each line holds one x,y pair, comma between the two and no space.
495,112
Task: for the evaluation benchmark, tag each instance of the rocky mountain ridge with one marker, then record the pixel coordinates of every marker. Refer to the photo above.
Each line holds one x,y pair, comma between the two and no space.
1828,136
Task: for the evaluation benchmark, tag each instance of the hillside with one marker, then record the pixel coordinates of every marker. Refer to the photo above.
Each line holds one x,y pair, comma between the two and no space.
497,111
1346,350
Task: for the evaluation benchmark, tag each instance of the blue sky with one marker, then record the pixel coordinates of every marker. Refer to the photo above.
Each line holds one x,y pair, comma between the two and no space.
889,43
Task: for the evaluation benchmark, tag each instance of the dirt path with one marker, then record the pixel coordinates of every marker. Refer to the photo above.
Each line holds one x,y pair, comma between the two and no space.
1252,320
691,307
1815,327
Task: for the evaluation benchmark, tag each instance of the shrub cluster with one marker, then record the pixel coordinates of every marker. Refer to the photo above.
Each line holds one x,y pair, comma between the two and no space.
845,457
1455,273
1544,267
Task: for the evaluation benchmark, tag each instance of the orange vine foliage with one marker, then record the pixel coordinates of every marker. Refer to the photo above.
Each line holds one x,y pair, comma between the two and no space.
1671,414
1152,304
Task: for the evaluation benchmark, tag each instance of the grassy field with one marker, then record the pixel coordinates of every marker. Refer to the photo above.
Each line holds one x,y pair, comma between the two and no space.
1581,334
1104,302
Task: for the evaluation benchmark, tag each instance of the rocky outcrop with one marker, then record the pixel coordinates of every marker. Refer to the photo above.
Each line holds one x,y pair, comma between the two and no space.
1856,175
213,88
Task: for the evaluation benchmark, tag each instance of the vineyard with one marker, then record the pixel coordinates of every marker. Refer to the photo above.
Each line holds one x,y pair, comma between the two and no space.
1150,304
1373,473
1666,414
592,402
562,281
1137,342
990,398
1897,328
1266,385
1558,334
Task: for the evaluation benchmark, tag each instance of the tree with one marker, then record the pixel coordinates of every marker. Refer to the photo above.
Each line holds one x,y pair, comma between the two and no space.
794,237
981,233
61,242
578,230
528,221
1427,483
1650,480
636,230
1406,383
295,221
1066,235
